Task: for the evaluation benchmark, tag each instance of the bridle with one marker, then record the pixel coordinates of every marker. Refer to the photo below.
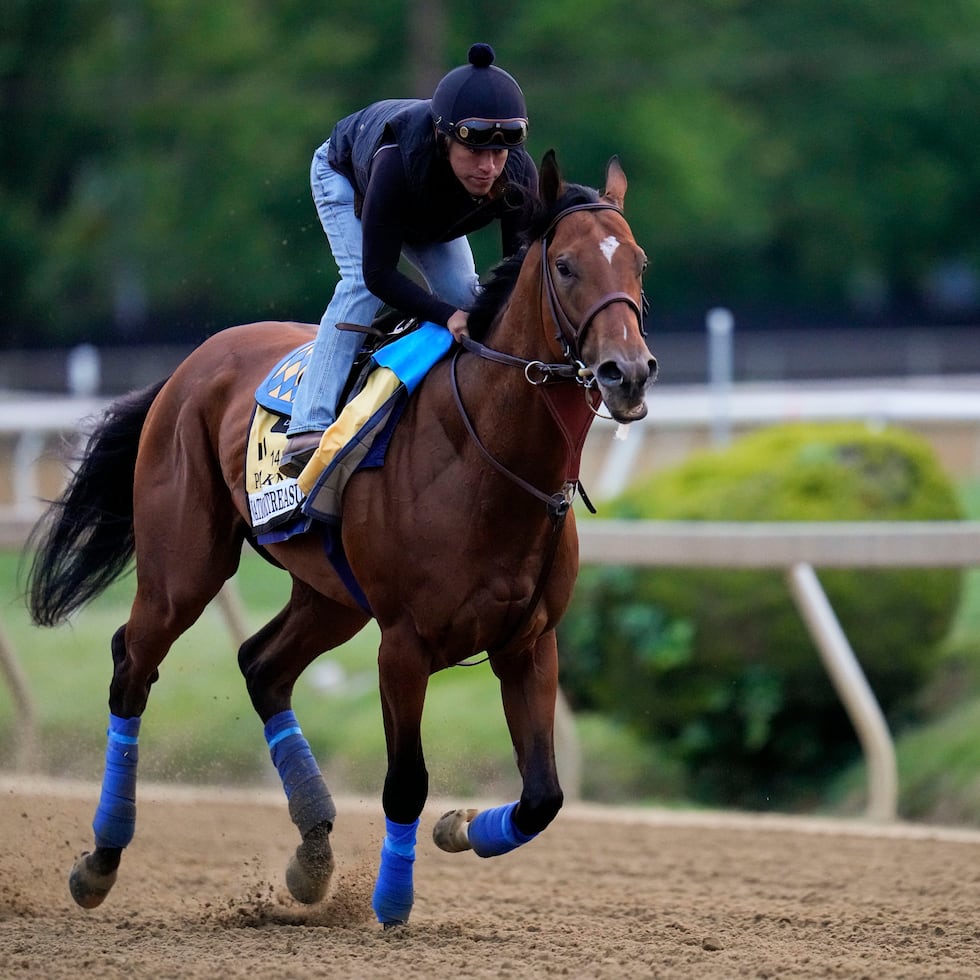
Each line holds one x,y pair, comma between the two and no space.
547,378
542,374
570,336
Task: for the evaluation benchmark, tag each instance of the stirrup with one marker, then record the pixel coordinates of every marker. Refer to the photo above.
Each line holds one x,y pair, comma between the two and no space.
294,460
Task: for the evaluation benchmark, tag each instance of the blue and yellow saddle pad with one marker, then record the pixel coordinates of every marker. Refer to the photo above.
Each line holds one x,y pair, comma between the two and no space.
273,500
278,390
283,506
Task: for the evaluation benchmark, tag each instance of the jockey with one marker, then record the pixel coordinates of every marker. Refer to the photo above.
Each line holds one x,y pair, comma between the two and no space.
411,178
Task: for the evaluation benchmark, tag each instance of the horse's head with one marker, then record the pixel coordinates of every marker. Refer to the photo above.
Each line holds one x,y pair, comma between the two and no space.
592,271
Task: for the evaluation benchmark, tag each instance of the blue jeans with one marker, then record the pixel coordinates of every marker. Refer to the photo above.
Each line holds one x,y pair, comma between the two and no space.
447,268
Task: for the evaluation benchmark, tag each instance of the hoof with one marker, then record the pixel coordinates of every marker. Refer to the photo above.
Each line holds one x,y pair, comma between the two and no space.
87,886
394,924
450,832
309,871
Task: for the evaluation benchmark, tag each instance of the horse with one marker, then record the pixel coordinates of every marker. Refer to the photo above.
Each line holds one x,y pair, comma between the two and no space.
463,543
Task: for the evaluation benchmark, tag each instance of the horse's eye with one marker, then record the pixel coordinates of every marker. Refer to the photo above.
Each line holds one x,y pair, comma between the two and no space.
563,268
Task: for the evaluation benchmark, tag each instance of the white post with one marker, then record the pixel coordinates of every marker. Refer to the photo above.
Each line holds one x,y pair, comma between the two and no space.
84,371
233,610
568,749
721,325
26,487
25,728
853,688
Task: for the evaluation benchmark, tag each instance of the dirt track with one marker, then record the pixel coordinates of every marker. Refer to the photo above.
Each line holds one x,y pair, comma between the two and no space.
603,894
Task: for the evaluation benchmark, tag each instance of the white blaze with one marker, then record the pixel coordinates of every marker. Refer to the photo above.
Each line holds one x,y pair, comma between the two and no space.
608,247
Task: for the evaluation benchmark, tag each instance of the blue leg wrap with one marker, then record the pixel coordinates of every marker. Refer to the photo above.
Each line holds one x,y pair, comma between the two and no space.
310,803
394,891
492,832
115,818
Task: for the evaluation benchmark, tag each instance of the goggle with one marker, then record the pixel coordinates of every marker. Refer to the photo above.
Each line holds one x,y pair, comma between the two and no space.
487,132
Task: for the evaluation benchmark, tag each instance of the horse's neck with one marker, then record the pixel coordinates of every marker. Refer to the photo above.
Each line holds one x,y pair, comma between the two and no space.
524,327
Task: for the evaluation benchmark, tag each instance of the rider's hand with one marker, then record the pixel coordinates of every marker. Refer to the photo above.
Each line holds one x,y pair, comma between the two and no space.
457,324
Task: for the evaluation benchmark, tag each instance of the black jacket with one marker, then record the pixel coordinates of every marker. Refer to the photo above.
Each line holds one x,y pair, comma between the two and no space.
409,195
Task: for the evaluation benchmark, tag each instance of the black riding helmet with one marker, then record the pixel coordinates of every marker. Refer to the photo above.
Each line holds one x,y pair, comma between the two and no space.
479,104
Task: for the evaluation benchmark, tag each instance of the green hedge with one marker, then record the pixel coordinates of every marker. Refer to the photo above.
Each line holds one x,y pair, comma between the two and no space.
716,665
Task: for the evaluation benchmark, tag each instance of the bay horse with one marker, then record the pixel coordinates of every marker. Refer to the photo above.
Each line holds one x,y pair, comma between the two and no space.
459,542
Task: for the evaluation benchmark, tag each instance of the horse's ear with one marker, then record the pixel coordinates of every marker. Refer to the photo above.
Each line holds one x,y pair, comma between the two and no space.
549,179
615,183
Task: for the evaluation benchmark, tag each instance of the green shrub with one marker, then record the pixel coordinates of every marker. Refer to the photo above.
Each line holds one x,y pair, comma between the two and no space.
619,766
716,665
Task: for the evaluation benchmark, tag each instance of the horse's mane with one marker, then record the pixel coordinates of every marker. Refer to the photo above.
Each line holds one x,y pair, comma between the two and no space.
503,277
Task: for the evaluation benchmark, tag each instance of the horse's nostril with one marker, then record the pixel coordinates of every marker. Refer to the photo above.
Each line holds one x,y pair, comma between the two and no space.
609,374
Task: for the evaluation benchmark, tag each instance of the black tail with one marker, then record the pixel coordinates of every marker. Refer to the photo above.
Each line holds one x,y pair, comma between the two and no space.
84,541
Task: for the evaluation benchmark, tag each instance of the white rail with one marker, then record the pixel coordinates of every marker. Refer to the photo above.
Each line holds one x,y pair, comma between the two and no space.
950,405
748,544
30,423
796,548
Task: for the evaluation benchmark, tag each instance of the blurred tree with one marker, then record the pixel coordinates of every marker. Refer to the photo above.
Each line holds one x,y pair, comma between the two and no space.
162,187
427,37
814,156
817,159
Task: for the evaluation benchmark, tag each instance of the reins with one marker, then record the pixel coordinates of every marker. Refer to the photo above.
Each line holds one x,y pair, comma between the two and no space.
557,503
547,377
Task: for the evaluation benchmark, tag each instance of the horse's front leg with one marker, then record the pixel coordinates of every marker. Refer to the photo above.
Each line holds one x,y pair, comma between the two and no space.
529,688
403,676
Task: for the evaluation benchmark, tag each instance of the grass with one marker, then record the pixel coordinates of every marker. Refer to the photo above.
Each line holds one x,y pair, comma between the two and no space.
199,725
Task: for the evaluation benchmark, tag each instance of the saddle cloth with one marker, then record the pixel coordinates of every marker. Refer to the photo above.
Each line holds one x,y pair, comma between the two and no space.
281,507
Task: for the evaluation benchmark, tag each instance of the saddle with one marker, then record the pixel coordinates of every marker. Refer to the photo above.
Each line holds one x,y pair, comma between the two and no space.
396,355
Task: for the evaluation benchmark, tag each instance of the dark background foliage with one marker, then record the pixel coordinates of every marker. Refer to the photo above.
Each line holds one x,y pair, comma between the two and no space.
815,162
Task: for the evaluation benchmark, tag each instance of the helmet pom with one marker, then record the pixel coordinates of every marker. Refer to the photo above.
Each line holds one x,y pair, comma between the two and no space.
481,56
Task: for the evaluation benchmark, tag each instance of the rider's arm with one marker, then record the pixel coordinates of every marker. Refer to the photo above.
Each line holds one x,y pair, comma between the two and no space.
383,225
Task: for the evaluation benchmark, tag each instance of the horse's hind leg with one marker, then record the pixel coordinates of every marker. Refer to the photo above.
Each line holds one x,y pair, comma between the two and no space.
271,662
94,873
138,649
173,590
